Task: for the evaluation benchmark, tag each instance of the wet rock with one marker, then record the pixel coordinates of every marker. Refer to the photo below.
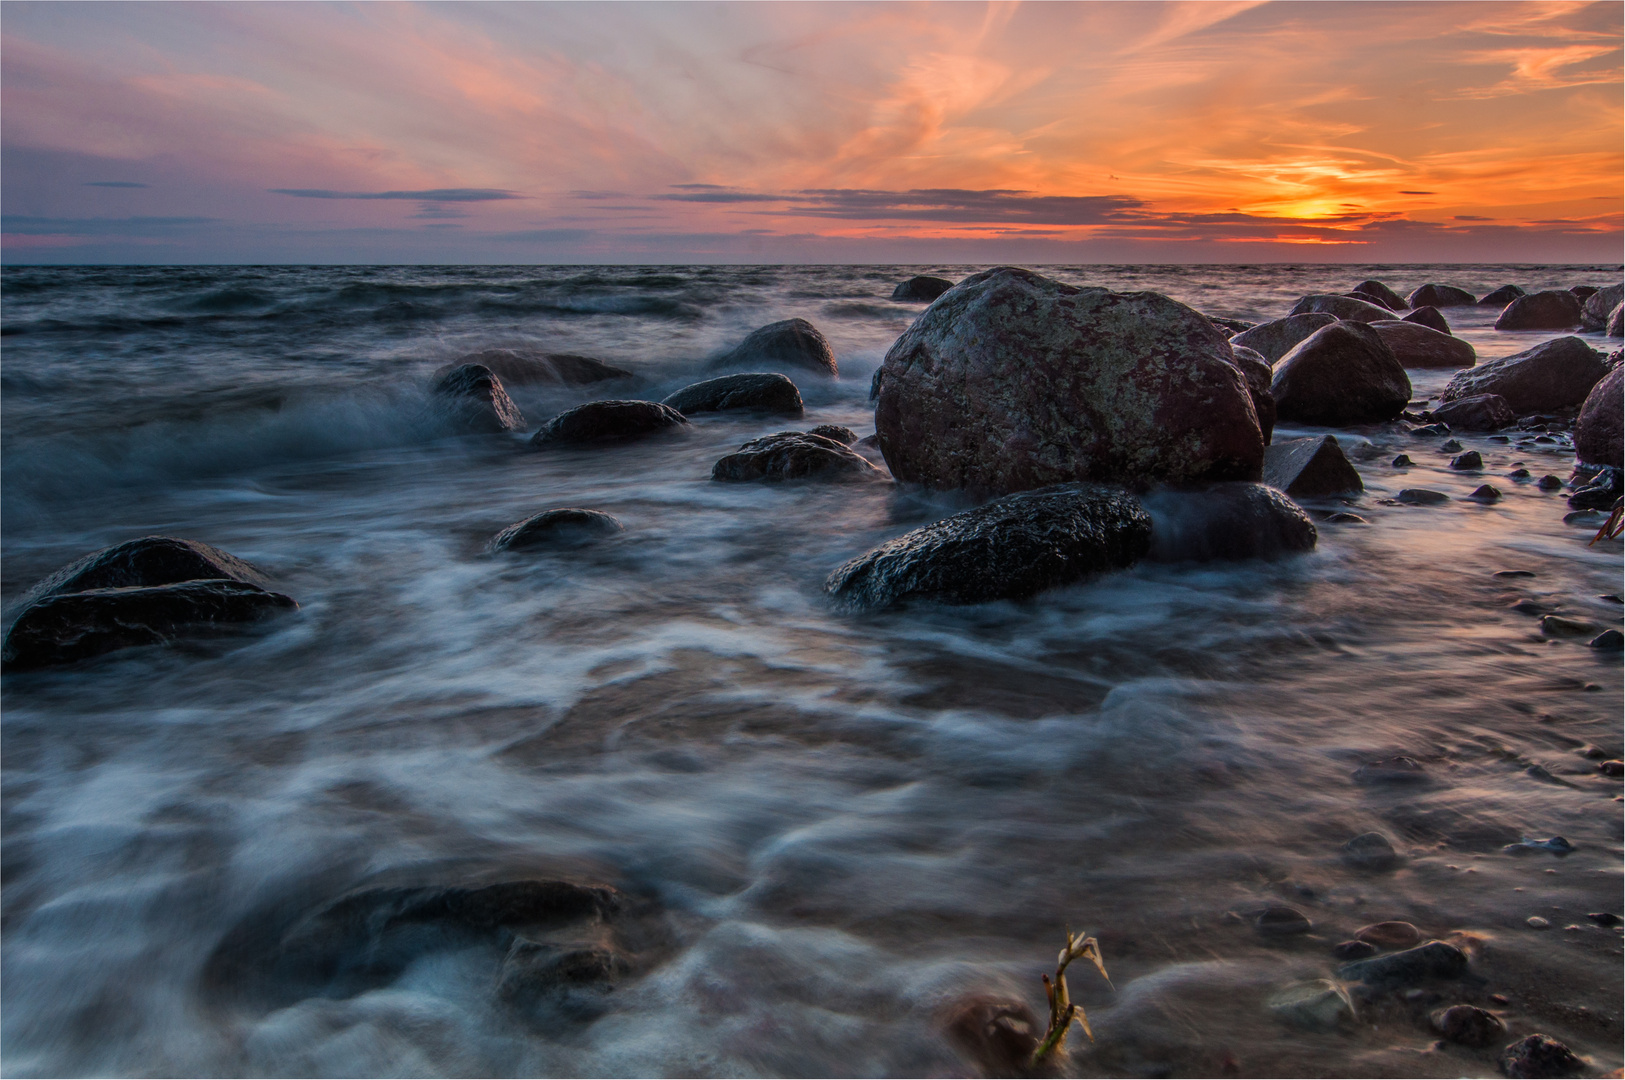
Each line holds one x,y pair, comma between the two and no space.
1501,297
1369,298
1009,549
64,627
998,1034
1528,607
1539,1057
1554,309
1470,460
1549,482
1441,296
1319,1004
1616,321
1273,340
1428,431
1479,412
1599,305
921,287
599,422
1343,307
1430,318
1515,573
573,981
793,455
1388,297
1229,326
1422,497
1256,370
1394,770
1344,518
1227,522
1014,381
1520,475
843,435
1594,496
1450,446
1597,435
1341,374
564,527
1486,493
1370,851
1556,374
1434,960
1468,1025
1402,461
1419,346
473,396
762,391
1535,922
1390,935
523,367
1309,467
147,561
1282,921
793,343
1604,918
1582,292
1557,845
1558,626
1353,950
1608,641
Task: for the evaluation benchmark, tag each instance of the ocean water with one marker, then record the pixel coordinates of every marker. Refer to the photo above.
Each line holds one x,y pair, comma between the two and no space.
843,825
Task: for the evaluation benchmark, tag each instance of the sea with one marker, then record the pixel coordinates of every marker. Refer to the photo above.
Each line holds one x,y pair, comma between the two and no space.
844,826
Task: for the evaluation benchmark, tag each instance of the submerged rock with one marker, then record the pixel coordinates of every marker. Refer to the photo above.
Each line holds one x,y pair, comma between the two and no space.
147,561
1597,434
473,396
1389,298
1421,497
1471,460
1232,521
1370,851
1468,1025
524,367
1429,317
1539,1057
998,1034
1554,309
1010,549
1441,296
794,455
1434,960
1014,381
1273,340
1556,374
1319,1004
1419,346
765,391
1280,920
1310,467
1599,305
921,287
1390,935
1479,412
563,527
599,422
1501,297
1343,307
794,343
1341,374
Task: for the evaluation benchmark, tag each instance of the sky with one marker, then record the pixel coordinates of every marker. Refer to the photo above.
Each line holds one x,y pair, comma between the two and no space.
1212,132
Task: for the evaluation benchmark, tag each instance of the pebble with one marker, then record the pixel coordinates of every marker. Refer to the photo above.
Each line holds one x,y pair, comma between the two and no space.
1514,573
1430,430
1500,438
1468,1025
1520,474
1486,493
1403,461
1345,518
1370,851
1281,921
1544,439
1614,768
1390,935
1608,641
1527,607
1353,950
1470,460
1557,845
1422,497
1450,446
1583,517
1539,1057
1537,923
1549,482
1498,999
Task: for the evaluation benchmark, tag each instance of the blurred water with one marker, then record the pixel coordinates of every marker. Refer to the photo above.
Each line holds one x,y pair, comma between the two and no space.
849,822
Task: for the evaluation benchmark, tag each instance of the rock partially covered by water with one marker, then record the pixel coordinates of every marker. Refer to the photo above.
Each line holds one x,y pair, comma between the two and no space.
565,527
1434,960
65,627
148,561
840,433
1232,522
1310,467
793,455
1468,1025
1319,1004
1539,1057
793,343
1554,309
1010,549
1597,431
921,287
607,421
999,1035
1341,374
1419,346
1440,296
1553,375
1256,370
1428,317
1389,298
1273,340
526,367
1599,305
1014,381
473,396
763,391
1371,851
1501,297
1343,307
1480,412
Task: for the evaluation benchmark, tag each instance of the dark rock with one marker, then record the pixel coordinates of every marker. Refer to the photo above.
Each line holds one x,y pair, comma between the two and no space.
1605,918
1422,497
1558,626
564,527
1487,493
1230,326
1480,412
473,395
1502,297
1369,298
1427,431
1273,340
1353,950
999,1035
1597,496
1608,641
1394,770
1305,468
1402,461
1468,1025
1256,370
1390,935
1556,374
1616,321
1449,446
1345,518
1441,296
1282,921
148,561
1528,607
921,287
792,455
65,627
1434,960
607,421
1520,474
1419,346
843,435
1515,573
1582,293
1549,482
1554,309
523,367
1370,851
1231,522
1388,297
1009,549
1470,460
1597,431
763,391
1599,305
794,343
1341,374
1429,317
1539,1057
1014,381
1343,307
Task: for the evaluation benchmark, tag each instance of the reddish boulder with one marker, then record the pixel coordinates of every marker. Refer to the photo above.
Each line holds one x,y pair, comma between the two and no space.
1553,375
1388,297
1273,340
1554,309
1419,346
1344,307
1594,314
1597,431
1428,316
1433,295
1501,297
1341,374
1481,412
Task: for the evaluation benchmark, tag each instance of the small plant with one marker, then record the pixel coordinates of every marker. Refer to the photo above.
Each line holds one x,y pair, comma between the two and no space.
1062,1009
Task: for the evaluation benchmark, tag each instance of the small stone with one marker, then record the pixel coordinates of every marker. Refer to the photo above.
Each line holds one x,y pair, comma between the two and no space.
1282,921
1470,460
1520,474
1537,923
1558,626
1430,430
1615,768
1583,517
1422,497
565,527
1434,960
1390,935
1612,598
1403,461
1450,446
1604,918
1468,1025
1370,851
1345,518
1319,1004
1539,1057
1528,607
1486,493
1353,950
1514,573
1549,483
1608,641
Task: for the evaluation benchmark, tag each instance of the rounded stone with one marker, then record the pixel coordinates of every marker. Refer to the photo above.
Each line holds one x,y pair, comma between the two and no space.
1282,921
762,391
1554,309
1428,316
1390,935
563,527
599,422
1440,296
921,287
1468,1025
1370,851
1273,340
1597,432
1418,346
1341,374
1553,375
793,343
1539,1057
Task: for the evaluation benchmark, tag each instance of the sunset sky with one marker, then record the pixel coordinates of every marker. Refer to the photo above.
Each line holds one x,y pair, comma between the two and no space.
764,132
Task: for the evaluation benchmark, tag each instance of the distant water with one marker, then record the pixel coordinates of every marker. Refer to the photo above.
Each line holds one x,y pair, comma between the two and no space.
848,823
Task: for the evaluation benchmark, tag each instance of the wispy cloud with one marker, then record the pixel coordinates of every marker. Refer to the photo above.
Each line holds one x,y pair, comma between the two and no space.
114,184
463,195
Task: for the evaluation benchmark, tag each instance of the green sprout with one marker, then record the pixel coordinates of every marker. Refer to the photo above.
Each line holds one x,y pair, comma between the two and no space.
1062,1009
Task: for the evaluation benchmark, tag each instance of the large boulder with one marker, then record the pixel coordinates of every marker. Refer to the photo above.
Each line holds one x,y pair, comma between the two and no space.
1227,521
1555,374
1343,307
1594,313
921,287
526,367
65,627
1311,467
1616,321
793,343
1014,381
1256,370
1419,346
1480,412
145,562
1501,297
1429,317
1010,549
1273,340
794,455
1440,296
565,527
1597,431
473,398
1554,309
1389,298
762,391
1341,374
607,421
